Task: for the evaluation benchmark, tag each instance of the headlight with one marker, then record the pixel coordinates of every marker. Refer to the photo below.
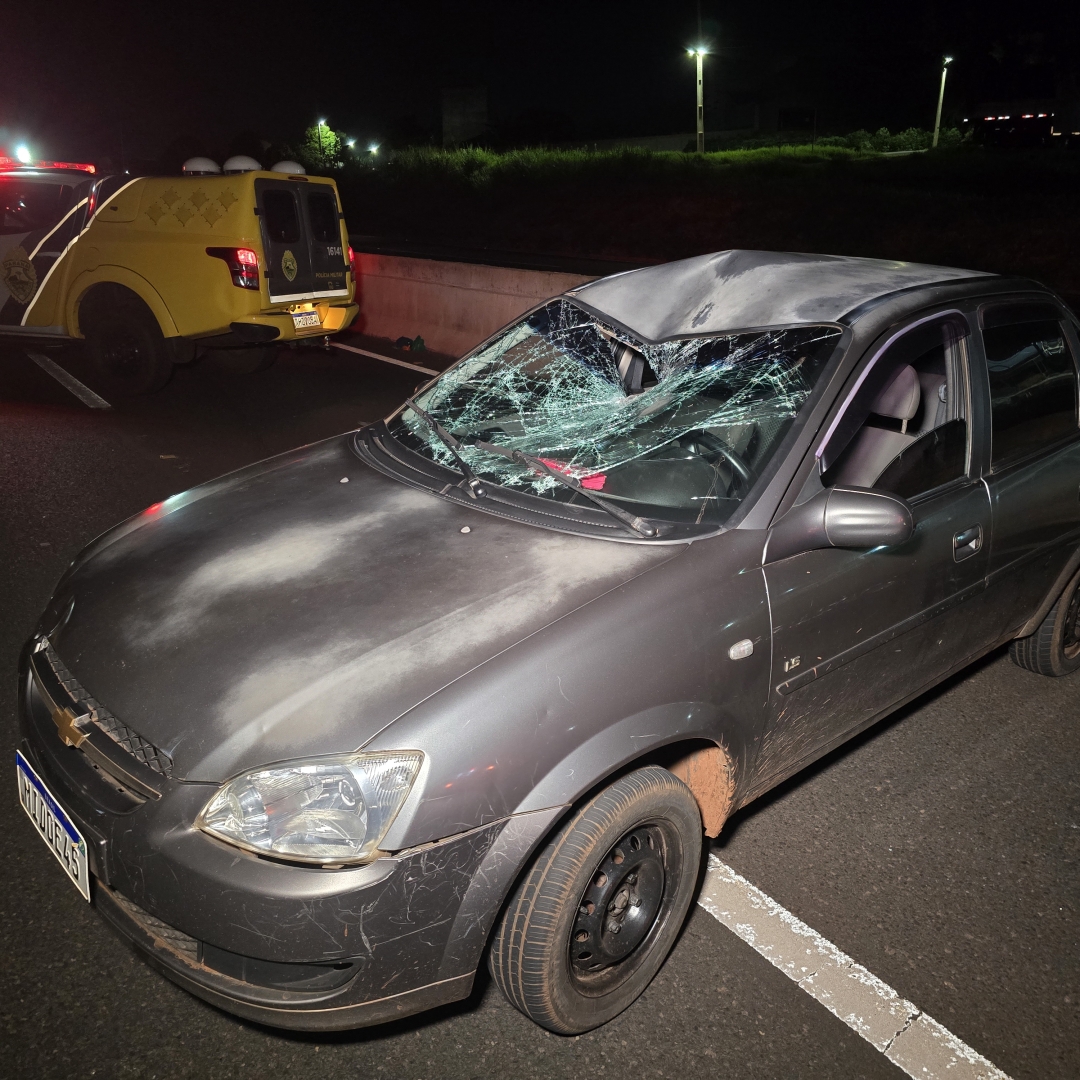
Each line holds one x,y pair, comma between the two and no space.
323,810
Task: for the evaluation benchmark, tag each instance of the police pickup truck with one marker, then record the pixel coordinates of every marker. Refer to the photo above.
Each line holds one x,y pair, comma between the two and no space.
153,270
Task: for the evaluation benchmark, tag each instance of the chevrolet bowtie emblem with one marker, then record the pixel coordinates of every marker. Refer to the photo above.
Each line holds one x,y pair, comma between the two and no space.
67,724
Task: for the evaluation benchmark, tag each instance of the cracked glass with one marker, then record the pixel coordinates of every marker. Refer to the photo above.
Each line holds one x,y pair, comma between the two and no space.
678,430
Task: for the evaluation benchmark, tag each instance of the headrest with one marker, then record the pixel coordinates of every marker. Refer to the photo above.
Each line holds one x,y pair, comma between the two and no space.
901,396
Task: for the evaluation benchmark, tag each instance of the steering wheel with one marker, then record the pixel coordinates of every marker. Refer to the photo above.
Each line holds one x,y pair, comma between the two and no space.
740,472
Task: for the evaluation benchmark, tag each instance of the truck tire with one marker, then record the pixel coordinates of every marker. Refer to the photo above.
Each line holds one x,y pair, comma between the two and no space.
1054,649
126,347
595,916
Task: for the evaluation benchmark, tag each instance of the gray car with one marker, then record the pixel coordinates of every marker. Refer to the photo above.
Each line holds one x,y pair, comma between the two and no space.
477,680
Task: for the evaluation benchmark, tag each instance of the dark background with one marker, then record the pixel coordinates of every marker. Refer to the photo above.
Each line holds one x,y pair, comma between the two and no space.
121,82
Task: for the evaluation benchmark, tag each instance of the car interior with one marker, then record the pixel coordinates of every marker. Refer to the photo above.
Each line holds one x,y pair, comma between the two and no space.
906,421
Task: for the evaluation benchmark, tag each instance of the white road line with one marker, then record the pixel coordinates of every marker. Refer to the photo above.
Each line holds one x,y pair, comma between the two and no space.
909,1038
386,359
83,393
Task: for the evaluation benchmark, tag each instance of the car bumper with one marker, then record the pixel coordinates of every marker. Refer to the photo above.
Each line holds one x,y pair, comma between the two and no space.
293,946
332,319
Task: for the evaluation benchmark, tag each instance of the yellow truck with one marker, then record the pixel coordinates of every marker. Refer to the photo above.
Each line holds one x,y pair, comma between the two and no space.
151,271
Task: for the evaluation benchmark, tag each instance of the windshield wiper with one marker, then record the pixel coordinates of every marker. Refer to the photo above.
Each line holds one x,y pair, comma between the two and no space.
474,486
636,524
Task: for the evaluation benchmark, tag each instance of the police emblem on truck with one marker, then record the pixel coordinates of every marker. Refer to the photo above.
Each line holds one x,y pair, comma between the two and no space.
288,265
18,275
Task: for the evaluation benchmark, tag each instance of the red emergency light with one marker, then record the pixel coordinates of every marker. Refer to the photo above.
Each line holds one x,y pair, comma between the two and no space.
7,164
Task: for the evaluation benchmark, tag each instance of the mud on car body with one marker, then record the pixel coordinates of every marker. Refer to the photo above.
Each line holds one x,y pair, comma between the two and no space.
152,270
318,748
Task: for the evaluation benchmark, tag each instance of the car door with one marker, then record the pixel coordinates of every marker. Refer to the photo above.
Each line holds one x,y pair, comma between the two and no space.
329,261
37,221
285,241
1034,482
856,632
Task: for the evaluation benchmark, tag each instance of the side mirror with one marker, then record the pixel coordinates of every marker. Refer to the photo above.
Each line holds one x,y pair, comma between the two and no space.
843,518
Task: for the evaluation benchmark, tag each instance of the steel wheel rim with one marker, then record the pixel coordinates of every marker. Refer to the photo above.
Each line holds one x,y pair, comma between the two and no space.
1071,637
123,356
620,910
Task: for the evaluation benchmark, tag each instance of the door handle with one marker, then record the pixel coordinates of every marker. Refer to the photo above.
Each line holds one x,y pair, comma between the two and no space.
967,543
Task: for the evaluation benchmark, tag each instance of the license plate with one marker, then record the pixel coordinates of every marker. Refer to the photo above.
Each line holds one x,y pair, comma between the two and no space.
303,319
53,824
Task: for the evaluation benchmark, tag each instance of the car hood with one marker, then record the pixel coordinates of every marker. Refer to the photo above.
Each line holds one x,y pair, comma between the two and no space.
299,606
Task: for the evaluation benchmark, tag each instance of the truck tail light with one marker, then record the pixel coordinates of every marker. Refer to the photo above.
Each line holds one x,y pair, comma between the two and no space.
243,264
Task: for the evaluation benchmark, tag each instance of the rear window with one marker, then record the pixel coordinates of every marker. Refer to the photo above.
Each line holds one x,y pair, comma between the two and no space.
282,221
25,206
1033,392
322,210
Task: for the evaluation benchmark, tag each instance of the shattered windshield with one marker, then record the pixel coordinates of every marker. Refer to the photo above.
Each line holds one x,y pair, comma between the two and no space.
677,431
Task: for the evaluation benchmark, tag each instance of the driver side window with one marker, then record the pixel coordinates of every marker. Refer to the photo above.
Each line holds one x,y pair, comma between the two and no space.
906,426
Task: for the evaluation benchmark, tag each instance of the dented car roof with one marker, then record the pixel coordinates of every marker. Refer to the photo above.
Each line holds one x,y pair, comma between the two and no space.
732,290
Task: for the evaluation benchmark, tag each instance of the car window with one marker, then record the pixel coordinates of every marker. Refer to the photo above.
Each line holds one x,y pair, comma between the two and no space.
282,222
26,206
323,215
908,416
1032,374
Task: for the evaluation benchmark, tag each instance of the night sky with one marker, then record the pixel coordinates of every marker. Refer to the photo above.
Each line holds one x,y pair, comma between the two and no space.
105,80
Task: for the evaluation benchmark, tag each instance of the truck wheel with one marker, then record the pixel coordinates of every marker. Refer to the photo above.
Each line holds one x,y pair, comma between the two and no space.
1054,649
244,361
597,913
128,350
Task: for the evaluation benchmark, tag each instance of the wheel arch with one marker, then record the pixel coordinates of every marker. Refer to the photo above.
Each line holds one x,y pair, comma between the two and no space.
710,766
1068,572
93,283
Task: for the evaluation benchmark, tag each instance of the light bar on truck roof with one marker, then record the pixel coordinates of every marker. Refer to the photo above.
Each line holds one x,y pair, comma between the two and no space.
7,164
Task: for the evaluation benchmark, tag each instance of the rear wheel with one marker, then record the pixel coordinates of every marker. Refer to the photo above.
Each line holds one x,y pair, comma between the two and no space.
597,913
127,349
1054,649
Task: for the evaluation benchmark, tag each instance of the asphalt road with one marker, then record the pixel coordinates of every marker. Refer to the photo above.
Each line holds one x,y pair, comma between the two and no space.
940,850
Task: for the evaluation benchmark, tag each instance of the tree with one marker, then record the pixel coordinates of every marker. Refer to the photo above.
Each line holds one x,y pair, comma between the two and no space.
321,149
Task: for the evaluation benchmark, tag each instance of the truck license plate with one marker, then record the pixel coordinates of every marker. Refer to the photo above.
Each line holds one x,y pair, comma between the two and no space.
303,319
53,824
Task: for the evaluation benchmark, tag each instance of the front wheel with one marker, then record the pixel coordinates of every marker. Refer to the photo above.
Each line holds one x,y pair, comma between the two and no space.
597,913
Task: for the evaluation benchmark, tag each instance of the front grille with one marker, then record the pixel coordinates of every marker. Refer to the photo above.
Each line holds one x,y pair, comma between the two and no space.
129,740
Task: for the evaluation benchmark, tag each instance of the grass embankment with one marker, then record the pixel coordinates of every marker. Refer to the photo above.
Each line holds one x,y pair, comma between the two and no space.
1003,211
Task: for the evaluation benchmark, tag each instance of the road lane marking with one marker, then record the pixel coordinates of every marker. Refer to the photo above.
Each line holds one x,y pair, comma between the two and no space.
910,1039
385,359
69,382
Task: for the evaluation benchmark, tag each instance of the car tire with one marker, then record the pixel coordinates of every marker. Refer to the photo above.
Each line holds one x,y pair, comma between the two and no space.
127,350
1054,649
244,361
597,913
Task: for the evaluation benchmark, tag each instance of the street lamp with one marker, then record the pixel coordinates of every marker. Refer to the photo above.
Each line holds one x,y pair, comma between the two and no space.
945,62
322,147
699,53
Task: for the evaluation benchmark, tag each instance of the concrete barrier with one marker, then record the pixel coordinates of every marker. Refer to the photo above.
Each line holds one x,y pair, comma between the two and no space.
453,306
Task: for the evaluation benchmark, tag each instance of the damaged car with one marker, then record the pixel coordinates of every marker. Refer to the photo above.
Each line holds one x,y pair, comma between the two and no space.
320,749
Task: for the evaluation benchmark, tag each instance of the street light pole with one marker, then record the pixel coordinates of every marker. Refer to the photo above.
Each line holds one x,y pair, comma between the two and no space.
945,62
322,146
699,55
